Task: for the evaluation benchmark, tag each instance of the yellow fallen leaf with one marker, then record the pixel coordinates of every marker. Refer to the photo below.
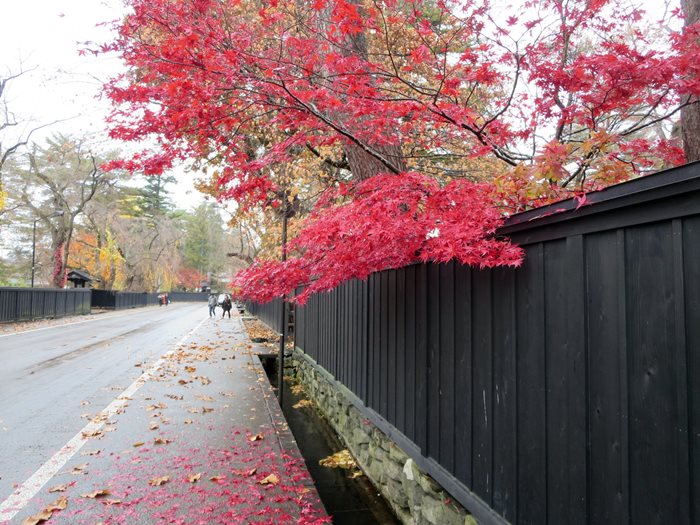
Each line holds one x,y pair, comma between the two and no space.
217,479
96,494
60,504
342,459
79,469
204,398
91,453
92,434
139,444
304,403
161,441
174,396
41,517
157,482
60,488
206,410
190,369
257,437
153,426
188,421
269,480
183,382
109,501
194,478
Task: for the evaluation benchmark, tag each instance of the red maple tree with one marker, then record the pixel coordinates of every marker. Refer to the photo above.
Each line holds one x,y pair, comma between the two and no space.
568,95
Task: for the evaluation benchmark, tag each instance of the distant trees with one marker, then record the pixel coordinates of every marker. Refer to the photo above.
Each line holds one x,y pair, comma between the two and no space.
53,184
127,236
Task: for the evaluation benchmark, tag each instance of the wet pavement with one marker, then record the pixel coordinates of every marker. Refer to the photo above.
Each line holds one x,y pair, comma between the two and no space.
105,426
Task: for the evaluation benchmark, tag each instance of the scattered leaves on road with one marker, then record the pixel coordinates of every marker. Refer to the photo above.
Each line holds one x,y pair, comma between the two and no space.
157,482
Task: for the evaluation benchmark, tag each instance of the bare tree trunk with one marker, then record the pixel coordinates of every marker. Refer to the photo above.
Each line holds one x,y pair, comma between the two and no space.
690,115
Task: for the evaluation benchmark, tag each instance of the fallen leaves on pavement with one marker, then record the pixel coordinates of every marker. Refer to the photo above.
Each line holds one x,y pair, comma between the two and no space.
96,494
157,482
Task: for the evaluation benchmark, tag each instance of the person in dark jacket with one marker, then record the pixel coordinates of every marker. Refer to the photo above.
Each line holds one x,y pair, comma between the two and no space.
227,305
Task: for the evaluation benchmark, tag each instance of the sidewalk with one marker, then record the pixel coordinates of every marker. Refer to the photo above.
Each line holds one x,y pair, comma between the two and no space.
201,441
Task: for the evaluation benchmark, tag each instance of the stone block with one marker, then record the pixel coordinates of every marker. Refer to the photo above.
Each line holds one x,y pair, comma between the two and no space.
429,484
397,454
393,469
396,494
375,471
438,512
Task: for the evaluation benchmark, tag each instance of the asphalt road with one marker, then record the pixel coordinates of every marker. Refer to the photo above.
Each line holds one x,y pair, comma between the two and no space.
51,376
154,415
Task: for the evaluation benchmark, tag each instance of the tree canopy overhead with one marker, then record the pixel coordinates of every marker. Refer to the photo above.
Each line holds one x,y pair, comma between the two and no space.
555,95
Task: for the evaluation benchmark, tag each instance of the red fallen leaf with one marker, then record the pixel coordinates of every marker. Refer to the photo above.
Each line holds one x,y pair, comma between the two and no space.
218,479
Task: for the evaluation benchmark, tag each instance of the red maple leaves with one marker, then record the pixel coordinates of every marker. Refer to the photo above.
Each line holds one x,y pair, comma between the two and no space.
391,221
572,95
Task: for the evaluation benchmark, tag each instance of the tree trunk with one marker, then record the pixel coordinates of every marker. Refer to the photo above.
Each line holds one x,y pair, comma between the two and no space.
690,115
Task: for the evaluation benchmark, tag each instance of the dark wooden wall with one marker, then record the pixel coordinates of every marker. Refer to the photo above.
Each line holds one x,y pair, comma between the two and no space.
25,304
565,391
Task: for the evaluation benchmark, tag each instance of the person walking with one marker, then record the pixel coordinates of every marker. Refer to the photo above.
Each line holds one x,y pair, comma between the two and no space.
226,305
212,305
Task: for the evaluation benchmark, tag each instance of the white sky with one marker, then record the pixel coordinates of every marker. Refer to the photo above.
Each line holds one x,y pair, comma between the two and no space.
44,36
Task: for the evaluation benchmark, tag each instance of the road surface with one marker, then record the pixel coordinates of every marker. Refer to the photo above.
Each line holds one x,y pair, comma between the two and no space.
94,407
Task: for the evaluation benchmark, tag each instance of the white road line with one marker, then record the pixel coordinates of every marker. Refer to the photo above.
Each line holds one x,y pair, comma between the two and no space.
25,492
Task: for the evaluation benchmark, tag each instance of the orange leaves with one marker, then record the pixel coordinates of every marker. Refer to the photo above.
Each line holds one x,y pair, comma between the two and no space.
96,494
158,481
194,478
272,479
60,504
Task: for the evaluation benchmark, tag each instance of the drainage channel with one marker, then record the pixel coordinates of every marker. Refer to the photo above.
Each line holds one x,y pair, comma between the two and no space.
348,501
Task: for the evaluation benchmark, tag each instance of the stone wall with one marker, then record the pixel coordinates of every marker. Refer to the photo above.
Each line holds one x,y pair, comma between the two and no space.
414,496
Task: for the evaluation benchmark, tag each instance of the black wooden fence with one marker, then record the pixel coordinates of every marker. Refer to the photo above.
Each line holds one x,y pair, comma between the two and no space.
183,297
115,300
269,313
565,391
26,304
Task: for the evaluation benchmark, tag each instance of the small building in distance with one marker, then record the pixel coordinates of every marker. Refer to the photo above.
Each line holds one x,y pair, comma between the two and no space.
80,278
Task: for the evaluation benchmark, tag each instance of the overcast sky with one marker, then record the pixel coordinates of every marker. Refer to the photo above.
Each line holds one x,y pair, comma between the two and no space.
44,37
